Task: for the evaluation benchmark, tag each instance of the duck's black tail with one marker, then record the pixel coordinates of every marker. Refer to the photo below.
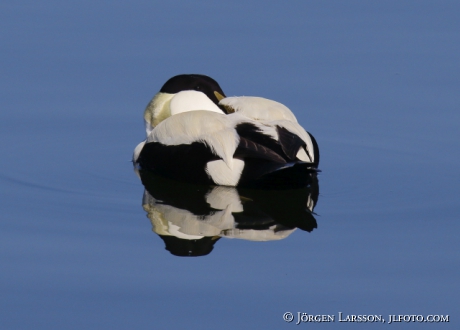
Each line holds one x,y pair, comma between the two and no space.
277,176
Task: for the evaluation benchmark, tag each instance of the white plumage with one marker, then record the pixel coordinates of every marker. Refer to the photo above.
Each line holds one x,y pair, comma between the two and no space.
258,108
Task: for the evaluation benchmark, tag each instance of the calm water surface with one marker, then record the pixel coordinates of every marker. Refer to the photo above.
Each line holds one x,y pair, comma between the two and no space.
377,85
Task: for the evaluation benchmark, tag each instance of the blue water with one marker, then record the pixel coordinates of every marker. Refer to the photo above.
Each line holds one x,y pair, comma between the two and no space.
375,82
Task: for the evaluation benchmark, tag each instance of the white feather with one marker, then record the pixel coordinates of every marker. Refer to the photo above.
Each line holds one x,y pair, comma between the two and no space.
225,175
157,110
190,101
259,108
302,155
137,151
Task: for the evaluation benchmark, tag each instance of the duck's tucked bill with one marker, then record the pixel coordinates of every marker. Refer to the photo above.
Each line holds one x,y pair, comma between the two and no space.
197,134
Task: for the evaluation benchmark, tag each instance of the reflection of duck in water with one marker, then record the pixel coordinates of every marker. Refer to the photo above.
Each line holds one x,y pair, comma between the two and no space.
190,218
196,134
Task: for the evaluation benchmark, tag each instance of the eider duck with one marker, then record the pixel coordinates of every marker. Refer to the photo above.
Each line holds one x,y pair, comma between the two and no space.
197,134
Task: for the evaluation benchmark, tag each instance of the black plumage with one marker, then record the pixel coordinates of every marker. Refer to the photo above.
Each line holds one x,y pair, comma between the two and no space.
185,162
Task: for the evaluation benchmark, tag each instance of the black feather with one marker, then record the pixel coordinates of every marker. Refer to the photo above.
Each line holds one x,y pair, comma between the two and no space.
290,143
252,133
315,150
250,149
184,162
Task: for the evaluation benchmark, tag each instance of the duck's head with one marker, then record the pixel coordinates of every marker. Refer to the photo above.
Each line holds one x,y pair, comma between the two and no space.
182,93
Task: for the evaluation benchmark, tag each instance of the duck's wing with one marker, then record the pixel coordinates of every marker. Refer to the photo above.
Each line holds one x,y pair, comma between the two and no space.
290,142
293,139
270,156
257,144
270,142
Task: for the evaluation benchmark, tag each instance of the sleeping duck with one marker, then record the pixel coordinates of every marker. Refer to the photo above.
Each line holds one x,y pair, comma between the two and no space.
197,134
